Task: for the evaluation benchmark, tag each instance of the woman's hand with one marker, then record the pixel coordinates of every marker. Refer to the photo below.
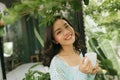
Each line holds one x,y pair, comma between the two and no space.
95,69
86,66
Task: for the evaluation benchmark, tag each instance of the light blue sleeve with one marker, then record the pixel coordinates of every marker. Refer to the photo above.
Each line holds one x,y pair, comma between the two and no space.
91,77
56,71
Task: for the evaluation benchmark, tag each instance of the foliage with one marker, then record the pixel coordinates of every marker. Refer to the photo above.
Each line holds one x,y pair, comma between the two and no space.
38,36
105,13
35,74
99,42
43,8
104,35
1,30
102,57
105,54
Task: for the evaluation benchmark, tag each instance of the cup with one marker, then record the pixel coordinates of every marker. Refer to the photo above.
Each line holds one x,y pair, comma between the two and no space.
92,56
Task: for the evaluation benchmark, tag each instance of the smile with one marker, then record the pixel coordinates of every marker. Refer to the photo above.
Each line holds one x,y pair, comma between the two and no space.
68,37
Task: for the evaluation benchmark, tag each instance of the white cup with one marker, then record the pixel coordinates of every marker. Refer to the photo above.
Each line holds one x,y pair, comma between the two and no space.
92,57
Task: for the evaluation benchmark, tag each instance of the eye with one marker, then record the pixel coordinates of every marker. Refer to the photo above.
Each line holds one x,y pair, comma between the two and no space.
66,26
58,32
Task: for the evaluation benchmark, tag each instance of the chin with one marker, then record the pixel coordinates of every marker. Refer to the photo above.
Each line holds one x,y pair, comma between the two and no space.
69,42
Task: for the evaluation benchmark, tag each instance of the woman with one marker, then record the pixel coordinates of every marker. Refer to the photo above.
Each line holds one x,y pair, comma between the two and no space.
62,52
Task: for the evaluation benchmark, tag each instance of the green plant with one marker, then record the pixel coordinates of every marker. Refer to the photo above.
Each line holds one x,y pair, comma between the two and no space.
35,74
105,62
102,30
44,9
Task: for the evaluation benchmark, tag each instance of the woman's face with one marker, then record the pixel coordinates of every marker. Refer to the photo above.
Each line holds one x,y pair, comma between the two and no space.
63,33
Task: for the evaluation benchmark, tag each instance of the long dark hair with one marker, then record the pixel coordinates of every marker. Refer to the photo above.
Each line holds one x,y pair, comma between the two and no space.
50,49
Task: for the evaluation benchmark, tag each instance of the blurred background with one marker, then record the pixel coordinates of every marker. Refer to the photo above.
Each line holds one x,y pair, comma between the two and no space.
22,24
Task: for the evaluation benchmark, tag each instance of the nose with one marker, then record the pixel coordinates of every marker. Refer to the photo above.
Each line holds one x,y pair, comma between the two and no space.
66,32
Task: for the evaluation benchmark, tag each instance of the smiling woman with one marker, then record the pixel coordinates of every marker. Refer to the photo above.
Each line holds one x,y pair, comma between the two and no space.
62,52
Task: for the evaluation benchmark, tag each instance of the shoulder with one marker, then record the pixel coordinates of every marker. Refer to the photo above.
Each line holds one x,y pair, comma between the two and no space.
55,61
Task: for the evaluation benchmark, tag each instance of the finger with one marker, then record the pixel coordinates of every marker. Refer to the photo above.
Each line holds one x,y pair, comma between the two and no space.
88,68
83,60
96,67
95,70
91,68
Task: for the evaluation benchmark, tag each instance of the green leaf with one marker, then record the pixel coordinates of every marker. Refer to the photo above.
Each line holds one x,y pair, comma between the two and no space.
112,72
0,15
38,36
1,31
96,48
110,53
35,65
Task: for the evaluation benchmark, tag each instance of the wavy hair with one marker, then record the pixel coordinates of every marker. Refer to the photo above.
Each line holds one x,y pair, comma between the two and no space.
50,49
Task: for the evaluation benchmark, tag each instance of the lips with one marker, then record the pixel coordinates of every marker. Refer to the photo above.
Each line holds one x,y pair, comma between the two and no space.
68,37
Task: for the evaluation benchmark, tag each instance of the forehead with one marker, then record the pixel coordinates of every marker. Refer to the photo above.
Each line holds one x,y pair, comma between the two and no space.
59,23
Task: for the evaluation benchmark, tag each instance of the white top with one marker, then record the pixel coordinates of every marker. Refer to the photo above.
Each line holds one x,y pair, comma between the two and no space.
75,67
60,70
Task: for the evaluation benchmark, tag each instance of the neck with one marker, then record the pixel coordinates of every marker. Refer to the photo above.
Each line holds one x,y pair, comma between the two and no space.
67,50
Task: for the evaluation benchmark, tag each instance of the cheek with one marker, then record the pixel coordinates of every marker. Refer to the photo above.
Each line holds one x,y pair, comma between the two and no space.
73,32
71,29
58,38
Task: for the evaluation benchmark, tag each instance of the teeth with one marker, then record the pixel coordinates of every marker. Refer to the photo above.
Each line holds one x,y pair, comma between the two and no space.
68,37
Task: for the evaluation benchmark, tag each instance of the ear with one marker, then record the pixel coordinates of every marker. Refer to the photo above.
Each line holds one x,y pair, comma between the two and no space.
55,42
